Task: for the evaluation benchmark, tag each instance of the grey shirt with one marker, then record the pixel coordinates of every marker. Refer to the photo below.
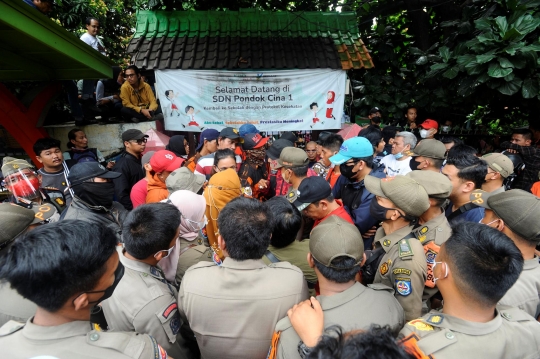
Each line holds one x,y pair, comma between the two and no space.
57,180
14,306
525,293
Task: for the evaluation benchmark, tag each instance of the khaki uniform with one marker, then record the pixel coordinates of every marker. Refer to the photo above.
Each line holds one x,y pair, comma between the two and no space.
511,334
432,235
232,309
145,303
356,308
525,293
403,268
13,306
74,340
191,252
296,254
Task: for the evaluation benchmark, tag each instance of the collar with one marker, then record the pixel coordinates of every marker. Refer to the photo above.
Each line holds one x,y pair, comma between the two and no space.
427,231
445,321
336,300
140,266
531,263
68,330
388,241
247,264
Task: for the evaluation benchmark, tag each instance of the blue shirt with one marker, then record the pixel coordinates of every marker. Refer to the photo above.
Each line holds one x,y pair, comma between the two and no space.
473,215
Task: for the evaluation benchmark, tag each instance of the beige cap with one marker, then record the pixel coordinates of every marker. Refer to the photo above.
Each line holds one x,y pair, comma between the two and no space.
499,163
183,179
429,148
335,237
407,194
293,157
436,184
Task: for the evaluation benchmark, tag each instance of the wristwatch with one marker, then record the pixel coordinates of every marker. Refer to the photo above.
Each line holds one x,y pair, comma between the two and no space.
303,349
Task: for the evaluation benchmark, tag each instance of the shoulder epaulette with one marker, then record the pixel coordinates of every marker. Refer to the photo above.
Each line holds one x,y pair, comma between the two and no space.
404,247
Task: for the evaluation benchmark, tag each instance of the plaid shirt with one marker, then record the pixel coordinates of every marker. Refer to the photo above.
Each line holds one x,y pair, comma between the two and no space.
531,158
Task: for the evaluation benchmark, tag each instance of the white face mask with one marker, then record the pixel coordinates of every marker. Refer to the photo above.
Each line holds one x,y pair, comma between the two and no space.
424,133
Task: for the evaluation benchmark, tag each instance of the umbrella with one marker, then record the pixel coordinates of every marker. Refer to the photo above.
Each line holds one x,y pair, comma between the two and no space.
156,141
349,131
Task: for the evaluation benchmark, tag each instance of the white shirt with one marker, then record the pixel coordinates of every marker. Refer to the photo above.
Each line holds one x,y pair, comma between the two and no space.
395,167
94,42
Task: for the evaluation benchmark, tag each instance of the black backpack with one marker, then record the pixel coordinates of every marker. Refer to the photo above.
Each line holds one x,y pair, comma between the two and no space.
88,155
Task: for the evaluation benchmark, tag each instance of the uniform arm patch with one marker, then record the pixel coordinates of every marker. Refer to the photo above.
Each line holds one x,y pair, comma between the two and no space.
403,286
167,312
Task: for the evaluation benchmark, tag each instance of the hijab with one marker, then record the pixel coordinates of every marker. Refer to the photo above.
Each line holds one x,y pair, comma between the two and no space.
176,145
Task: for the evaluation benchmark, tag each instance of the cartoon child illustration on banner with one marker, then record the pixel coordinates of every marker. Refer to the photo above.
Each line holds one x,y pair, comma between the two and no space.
190,112
315,108
170,95
331,96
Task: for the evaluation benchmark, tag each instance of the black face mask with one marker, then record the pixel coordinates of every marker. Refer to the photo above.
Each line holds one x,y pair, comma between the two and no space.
96,193
414,165
377,211
347,171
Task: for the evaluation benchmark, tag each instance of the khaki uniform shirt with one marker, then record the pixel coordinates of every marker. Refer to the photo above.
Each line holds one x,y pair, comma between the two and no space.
13,306
432,235
233,308
191,252
143,302
511,334
356,308
403,268
74,340
525,293
296,254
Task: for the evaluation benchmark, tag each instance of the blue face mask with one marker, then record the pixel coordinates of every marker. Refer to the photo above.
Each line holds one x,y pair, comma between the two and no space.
398,155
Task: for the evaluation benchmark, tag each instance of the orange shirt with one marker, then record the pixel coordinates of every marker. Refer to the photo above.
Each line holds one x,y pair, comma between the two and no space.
535,189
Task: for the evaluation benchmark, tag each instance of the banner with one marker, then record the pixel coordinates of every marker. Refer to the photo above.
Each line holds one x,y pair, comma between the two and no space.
290,100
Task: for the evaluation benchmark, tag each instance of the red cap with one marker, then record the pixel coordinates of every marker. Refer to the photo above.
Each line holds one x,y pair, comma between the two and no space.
165,161
429,124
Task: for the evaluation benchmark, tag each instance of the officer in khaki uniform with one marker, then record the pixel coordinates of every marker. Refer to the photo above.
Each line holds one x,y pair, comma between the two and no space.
429,155
516,213
398,201
68,296
433,228
355,306
500,167
470,325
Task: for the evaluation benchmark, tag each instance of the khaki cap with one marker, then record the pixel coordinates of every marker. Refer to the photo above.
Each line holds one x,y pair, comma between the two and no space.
293,157
499,163
183,179
436,184
12,165
335,237
14,220
518,209
429,148
407,194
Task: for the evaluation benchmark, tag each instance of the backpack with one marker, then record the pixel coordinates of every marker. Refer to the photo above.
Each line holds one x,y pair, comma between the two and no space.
88,155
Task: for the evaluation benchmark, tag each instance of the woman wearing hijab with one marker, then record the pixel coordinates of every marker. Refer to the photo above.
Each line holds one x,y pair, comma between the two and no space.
253,171
179,145
191,246
222,188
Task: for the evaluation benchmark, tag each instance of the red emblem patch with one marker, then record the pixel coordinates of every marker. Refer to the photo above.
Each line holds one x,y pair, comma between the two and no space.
169,310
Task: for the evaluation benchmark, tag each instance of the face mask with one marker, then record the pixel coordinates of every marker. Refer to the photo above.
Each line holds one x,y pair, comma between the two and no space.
398,155
433,271
377,211
26,187
347,171
424,133
414,165
165,250
487,224
96,193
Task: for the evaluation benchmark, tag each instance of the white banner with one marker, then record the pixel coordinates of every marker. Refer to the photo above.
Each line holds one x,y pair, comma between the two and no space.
290,100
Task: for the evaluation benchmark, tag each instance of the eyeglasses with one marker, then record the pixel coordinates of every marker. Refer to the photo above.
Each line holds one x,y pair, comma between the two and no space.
131,75
140,141
221,169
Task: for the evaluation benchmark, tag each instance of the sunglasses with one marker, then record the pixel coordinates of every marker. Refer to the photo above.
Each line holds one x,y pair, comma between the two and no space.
140,141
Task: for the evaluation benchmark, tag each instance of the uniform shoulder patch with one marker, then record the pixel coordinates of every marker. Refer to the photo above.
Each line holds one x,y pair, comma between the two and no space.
10,327
403,286
420,325
404,271
405,249
514,314
386,242
384,268
435,319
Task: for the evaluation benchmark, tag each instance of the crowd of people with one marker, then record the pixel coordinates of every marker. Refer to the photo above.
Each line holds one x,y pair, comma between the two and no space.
384,245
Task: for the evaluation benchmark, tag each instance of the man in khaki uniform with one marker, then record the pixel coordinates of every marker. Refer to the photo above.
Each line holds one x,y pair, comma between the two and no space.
143,300
336,254
433,228
470,325
429,155
75,281
499,168
233,308
516,213
294,168
399,200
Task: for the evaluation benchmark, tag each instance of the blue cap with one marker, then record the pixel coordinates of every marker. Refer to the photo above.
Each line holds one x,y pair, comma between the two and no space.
356,147
247,128
209,134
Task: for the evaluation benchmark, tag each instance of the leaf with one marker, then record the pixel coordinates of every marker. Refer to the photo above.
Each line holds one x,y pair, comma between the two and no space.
482,59
505,63
509,88
422,60
465,59
482,24
486,37
451,72
444,52
526,24
502,24
483,77
415,51
513,47
436,67
495,70
509,77
512,34
529,88
474,68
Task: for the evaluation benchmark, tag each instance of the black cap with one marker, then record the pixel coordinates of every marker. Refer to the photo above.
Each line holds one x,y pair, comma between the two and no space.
375,110
133,134
229,132
86,170
275,150
323,136
311,189
289,136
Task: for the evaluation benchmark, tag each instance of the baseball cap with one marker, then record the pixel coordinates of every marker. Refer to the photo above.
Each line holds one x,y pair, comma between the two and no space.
253,141
146,157
356,147
183,179
86,170
12,165
14,220
374,110
429,148
428,124
133,134
436,184
247,128
288,135
311,189
293,157
323,136
209,134
164,160
518,209
229,132
499,163
335,237
274,151
407,194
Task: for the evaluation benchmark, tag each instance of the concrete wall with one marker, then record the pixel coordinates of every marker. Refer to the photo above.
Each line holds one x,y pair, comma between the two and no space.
106,138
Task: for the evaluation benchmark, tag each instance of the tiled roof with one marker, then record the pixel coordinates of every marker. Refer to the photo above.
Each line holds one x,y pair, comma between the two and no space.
247,39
